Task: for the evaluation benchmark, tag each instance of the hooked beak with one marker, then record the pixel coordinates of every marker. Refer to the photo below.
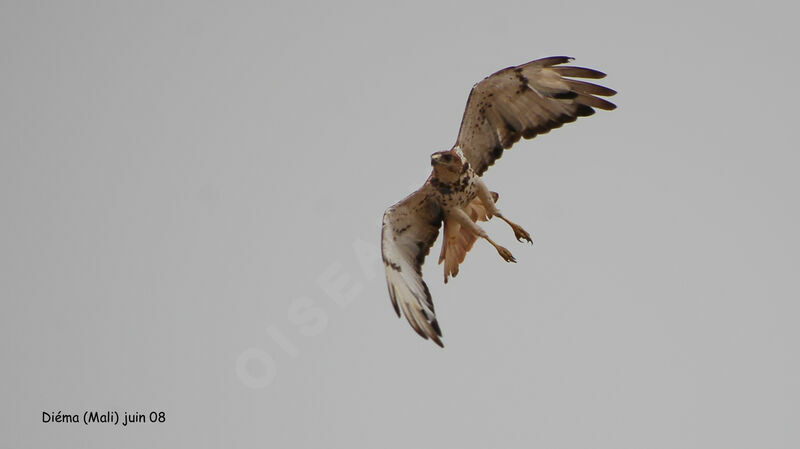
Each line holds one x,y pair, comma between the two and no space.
435,158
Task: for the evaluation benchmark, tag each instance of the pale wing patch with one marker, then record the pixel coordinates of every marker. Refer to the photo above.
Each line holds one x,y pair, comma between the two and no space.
410,228
458,241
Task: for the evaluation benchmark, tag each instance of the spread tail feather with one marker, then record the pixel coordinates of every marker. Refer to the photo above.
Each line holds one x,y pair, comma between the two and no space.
457,240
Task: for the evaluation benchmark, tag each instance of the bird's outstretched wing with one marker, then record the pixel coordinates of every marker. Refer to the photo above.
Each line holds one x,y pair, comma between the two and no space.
410,228
525,101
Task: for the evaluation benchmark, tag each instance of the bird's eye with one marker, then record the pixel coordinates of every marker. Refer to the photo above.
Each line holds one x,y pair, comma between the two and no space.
447,158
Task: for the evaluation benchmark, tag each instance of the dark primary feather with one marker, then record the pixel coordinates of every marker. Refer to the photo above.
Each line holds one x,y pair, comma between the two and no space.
523,102
579,72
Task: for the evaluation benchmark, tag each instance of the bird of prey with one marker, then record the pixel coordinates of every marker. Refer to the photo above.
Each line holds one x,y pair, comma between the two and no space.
521,101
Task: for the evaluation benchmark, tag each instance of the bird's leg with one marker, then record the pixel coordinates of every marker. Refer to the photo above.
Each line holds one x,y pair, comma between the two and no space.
491,208
463,219
519,233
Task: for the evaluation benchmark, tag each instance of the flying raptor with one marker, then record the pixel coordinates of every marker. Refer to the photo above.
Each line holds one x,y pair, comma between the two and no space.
522,101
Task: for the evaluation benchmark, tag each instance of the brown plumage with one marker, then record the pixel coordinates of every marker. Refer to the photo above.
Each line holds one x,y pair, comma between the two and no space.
513,103
457,241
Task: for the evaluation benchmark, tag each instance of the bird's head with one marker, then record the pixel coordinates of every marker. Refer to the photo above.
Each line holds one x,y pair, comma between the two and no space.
447,162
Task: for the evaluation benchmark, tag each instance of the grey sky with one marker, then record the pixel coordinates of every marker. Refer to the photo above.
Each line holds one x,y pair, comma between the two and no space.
180,180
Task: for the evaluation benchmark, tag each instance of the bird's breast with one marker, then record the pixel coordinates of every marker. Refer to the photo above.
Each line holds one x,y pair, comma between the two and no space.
457,196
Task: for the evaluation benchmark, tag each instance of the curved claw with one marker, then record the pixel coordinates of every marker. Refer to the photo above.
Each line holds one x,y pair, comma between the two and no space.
521,234
506,254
